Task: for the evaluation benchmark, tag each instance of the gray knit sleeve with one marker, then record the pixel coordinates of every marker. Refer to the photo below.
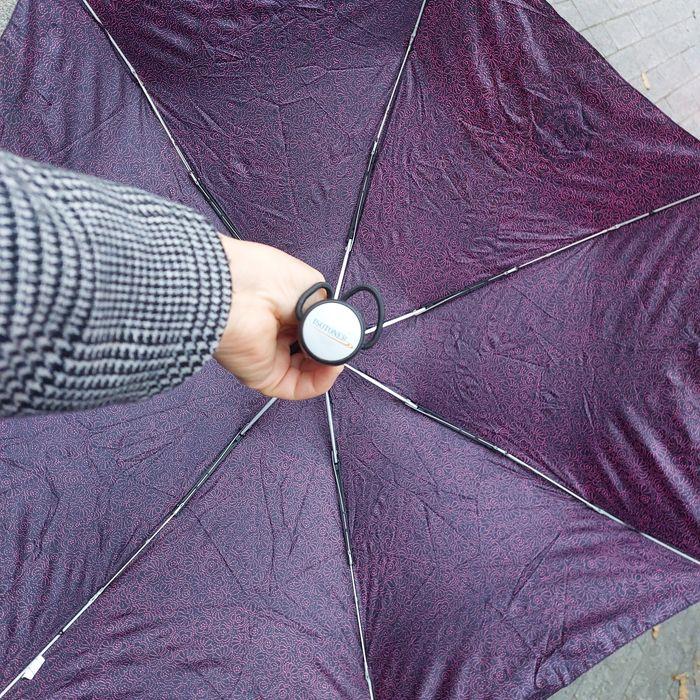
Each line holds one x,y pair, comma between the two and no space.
107,293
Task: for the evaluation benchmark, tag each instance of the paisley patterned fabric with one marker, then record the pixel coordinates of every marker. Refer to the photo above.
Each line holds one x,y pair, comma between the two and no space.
510,137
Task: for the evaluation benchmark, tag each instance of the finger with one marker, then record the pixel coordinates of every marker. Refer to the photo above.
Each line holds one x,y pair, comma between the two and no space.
299,377
313,380
287,306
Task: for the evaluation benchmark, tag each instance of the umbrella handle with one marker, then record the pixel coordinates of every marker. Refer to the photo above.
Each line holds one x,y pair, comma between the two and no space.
299,309
332,331
373,291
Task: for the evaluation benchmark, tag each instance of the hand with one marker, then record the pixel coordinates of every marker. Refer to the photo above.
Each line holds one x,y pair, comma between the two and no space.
266,284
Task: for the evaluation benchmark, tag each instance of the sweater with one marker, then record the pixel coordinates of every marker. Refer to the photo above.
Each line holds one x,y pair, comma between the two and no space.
107,293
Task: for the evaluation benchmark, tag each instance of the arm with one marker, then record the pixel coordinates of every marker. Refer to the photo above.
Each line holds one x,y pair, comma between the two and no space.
110,294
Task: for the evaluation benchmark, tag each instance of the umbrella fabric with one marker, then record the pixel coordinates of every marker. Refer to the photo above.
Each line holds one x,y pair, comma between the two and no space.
477,577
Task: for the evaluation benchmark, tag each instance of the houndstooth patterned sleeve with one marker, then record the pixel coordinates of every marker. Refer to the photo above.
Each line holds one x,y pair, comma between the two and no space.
107,293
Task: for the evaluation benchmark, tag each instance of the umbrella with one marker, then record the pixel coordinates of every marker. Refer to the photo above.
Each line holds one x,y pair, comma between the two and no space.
501,492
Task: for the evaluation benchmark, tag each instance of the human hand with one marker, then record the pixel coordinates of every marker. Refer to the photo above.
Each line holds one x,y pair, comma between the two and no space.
262,325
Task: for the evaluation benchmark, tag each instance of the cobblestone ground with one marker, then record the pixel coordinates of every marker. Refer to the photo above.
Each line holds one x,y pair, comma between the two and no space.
653,44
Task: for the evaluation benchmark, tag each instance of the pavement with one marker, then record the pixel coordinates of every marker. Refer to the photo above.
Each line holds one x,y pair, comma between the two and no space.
6,8
662,664
654,45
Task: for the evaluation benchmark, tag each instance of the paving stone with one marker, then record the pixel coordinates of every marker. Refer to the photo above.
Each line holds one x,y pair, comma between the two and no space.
594,11
664,106
571,14
692,125
600,37
623,7
650,52
638,84
623,31
626,62
692,59
666,77
677,38
684,101
646,20
673,11
6,9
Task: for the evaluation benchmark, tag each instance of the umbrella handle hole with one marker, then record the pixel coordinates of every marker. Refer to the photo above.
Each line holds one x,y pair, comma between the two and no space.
299,309
374,292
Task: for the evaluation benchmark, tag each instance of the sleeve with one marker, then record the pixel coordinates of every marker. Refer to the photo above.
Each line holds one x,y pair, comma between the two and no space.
107,293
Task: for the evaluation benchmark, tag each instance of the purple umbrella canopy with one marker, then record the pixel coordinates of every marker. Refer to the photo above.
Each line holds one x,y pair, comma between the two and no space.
500,493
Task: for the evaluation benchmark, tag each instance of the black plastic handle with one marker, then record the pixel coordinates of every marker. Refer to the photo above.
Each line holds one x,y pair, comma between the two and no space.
380,310
299,309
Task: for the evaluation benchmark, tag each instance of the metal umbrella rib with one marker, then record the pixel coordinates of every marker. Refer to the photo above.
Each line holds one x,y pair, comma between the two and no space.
540,258
342,508
209,197
374,153
35,664
432,415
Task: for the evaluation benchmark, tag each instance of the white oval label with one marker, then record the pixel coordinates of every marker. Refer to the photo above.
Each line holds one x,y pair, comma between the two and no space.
331,332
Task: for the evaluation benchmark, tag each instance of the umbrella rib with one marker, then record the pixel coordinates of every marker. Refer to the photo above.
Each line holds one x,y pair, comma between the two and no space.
374,152
209,197
428,413
342,509
35,664
510,271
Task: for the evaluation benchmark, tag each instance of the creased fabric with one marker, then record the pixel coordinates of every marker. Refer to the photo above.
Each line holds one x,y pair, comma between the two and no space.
477,578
